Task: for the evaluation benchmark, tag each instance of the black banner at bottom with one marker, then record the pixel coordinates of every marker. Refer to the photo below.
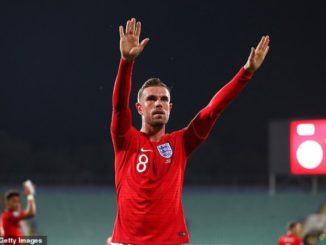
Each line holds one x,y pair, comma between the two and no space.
23,240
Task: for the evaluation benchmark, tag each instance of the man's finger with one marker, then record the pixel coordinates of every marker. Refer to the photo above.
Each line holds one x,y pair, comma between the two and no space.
133,25
128,27
252,54
144,43
266,51
121,32
266,42
138,28
260,43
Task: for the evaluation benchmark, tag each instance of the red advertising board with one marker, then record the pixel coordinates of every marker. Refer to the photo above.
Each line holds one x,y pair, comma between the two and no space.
308,147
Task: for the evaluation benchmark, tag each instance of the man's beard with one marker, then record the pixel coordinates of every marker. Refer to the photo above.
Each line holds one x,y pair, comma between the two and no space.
158,123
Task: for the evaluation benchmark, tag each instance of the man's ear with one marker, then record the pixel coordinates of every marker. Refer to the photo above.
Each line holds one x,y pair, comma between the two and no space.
171,106
139,108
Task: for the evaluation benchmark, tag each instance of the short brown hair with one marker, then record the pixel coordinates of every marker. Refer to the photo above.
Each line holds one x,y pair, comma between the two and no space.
11,193
292,224
152,82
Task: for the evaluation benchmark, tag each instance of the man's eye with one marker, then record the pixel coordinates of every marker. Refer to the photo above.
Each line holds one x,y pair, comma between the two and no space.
151,98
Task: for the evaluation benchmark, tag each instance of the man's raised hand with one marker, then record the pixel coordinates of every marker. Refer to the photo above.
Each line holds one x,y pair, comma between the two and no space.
130,47
28,187
257,55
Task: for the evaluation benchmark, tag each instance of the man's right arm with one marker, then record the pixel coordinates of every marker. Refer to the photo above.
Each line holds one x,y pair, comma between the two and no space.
2,232
130,48
121,114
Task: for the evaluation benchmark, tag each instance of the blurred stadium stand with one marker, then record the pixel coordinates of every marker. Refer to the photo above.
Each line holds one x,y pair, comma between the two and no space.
83,215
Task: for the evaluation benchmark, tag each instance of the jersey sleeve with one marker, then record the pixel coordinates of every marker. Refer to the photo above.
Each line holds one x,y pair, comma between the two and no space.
200,126
121,121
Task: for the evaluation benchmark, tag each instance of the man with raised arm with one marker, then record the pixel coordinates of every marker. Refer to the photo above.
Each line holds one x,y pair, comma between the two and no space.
150,163
13,213
292,236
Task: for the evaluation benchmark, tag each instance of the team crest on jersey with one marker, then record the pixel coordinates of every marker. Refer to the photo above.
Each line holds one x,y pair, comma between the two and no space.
165,150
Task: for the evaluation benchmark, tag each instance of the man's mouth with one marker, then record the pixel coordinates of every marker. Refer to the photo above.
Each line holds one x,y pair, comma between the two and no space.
158,113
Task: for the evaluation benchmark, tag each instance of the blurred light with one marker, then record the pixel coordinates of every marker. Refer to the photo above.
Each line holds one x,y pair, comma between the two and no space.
309,154
306,129
307,146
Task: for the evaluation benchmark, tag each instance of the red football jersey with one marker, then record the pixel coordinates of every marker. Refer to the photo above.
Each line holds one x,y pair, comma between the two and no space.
149,175
11,224
289,239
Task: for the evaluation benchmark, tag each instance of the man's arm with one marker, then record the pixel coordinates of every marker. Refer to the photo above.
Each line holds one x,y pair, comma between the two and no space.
130,48
2,232
199,128
29,191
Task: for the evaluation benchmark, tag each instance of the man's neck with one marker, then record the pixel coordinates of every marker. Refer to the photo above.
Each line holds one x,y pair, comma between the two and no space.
291,233
153,133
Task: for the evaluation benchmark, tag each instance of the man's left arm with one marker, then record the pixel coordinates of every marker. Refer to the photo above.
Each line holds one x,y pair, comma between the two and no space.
199,128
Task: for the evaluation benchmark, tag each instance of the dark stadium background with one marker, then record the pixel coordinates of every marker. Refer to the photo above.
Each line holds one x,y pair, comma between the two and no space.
59,60
58,64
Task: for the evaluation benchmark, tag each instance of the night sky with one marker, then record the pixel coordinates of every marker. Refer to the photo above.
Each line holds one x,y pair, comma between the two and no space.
59,60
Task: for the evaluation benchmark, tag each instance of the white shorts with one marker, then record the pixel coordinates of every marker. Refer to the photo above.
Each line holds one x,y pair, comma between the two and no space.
108,242
112,243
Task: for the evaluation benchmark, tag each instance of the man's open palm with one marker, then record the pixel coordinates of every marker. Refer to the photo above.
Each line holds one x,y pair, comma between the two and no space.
257,55
130,47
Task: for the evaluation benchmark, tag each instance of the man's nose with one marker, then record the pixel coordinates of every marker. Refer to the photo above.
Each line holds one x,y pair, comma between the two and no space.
158,103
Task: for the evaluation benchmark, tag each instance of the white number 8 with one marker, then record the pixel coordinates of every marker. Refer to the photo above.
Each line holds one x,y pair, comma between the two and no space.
142,163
